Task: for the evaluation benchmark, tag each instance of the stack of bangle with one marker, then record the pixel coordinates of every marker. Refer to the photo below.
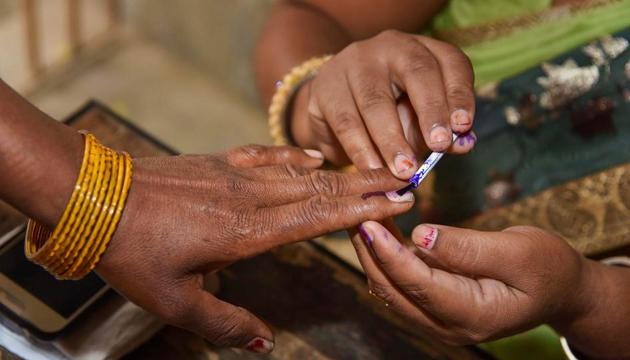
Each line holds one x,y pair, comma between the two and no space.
284,94
75,246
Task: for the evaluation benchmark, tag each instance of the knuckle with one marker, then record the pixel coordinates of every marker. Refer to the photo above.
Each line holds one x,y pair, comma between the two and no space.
245,153
389,34
226,331
418,294
325,182
292,170
459,93
420,60
468,251
236,231
313,109
457,55
353,49
437,103
383,292
236,186
346,122
320,207
254,150
370,96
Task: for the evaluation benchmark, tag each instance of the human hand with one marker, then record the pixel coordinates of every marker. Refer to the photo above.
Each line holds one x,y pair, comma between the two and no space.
468,286
350,112
190,215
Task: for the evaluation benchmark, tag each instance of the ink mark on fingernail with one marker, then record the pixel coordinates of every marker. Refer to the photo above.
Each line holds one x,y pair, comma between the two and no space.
260,345
395,197
429,238
368,195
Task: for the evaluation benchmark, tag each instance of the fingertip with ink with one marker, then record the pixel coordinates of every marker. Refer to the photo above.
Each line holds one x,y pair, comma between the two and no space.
407,197
404,165
260,345
425,236
366,234
371,231
465,142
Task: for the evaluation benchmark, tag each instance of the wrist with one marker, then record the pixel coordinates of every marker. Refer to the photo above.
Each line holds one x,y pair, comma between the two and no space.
602,314
583,302
41,159
57,181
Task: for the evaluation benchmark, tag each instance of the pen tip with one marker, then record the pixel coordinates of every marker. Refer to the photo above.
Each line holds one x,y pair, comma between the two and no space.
406,189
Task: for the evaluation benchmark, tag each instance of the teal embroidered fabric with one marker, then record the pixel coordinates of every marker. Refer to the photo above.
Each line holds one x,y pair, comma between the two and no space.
560,121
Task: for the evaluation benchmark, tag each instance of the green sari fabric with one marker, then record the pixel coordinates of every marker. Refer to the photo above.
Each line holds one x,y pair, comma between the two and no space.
523,49
466,13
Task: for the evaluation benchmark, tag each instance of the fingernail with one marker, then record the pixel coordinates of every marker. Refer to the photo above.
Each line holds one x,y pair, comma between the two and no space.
366,234
406,197
260,345
439,135
460,117
314,154
425,236
403,163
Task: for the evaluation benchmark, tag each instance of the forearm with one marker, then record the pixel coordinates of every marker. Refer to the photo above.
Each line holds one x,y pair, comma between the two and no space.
294,32
39,158
601,332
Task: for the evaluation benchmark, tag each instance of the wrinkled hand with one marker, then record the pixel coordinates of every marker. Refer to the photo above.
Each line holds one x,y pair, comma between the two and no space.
190,215
468,286
350,111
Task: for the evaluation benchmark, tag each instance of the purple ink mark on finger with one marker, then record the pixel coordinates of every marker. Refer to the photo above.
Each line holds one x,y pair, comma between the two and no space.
373,193
365,235
462,141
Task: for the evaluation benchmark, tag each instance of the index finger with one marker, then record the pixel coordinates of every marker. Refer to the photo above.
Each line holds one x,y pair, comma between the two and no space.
317,216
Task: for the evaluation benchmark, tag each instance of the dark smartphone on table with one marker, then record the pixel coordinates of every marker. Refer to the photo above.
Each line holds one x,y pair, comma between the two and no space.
36,301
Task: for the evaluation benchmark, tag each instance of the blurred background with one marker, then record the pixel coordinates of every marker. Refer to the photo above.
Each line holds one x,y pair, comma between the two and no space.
180,70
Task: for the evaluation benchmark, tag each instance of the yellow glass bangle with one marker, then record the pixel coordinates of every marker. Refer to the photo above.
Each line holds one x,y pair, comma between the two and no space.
117,214
79,265
87,219
284,92
31,247
90,218
78,218
100,248
46,255
95,230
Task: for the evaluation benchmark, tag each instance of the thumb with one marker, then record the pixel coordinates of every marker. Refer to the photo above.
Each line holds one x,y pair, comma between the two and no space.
226,325
469,252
